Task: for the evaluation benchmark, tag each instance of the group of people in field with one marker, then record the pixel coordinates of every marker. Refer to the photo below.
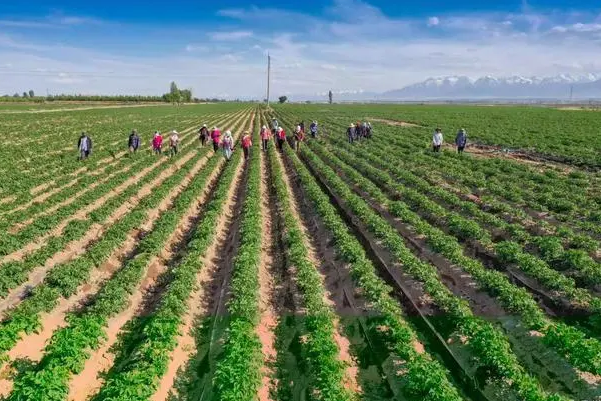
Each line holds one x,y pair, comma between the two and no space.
355,132
460,140
359,130
225,142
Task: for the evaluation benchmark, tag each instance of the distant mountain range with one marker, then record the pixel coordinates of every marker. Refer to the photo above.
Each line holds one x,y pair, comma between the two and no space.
561,86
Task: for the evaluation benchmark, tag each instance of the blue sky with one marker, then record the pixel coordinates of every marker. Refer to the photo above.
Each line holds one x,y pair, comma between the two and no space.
219,48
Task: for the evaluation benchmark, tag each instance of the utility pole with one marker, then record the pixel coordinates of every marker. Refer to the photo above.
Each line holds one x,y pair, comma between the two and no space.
268,76
571,92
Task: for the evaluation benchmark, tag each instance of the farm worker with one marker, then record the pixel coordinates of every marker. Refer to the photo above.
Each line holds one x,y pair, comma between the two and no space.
299,136
134,141
461,140
246,144
215,135
227,144
84,145
302,126
173,142
281,138
313,129
358,132
265,136
350,132
203,134
368,130
437,140
157,143
274,126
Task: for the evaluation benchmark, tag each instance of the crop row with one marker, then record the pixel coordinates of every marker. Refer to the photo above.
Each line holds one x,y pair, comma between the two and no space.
14,273
571,343
238,370
63,280
148,361
486,341
327,371
70,346
423,377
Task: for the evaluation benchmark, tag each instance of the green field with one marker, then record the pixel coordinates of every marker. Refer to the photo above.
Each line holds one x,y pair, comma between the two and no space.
377,270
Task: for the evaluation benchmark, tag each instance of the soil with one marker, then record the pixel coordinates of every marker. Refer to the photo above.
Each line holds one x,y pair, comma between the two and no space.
269,319
395,123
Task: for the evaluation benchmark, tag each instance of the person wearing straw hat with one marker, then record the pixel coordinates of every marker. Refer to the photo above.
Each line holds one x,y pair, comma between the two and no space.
350,132
227,144
173,142
246,144
461,140
281,138
265,136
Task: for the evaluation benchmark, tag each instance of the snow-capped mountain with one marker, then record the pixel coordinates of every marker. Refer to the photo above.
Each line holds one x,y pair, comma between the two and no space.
515,87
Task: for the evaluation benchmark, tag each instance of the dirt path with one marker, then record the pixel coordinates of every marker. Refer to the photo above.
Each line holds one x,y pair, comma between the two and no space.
269,317
342,342
198,305
395,123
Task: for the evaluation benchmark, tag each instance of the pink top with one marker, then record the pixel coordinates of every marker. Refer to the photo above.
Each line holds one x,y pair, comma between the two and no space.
215,134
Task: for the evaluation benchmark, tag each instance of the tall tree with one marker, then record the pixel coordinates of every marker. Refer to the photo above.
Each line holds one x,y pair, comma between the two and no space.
25,94
31,93
283,99
330,96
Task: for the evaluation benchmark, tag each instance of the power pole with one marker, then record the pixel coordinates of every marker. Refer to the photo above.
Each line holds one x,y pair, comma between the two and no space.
268,76
571,92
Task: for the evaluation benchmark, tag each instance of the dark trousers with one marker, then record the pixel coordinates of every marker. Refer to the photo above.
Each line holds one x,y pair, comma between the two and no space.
264,143
173,150
281,143
350,139
246,152
436,148
203,140
460,149
215,146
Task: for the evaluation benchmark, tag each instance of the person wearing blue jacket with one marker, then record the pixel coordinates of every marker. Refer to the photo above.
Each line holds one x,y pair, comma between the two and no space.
461,140
133,142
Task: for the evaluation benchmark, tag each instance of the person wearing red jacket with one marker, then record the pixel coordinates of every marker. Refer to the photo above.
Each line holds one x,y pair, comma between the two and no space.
246,144
157,143
265,136
281,137
215,137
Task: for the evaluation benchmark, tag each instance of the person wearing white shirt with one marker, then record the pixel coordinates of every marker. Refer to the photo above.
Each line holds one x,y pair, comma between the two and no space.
437,140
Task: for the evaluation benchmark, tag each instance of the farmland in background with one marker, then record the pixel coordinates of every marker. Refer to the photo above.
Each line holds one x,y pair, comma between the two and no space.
376,270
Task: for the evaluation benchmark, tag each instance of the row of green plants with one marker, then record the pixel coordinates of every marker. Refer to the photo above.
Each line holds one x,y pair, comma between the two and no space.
112,174
239,367
71,346
424,377
487,343
565,204
147,362
464,229
64,279
581,351
14,273
550,247
46,223
327,371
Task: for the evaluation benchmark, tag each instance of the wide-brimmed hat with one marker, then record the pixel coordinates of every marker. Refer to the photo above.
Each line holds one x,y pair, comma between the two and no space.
264,127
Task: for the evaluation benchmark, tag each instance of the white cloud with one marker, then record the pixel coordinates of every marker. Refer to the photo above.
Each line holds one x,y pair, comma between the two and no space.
321,54
433,21
230,36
